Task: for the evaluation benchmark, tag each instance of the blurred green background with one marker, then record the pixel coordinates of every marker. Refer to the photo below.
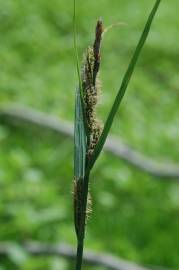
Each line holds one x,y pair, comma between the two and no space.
135,216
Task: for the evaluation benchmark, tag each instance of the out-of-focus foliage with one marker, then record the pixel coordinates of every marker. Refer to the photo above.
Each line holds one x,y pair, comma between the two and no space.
135,216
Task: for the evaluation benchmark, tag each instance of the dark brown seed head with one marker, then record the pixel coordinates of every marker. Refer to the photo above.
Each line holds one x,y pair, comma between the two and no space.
96,49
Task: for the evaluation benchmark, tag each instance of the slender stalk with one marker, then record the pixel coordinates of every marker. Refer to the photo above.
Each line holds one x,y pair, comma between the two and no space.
75,46
81,236
79,255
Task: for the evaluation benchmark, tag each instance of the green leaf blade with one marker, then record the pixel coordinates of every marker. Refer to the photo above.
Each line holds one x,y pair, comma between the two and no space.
124,85
79,139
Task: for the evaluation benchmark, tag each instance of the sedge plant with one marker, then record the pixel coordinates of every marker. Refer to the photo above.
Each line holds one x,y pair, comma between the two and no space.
89,136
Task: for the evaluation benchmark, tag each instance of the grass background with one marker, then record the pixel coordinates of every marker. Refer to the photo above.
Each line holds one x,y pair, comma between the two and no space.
135,216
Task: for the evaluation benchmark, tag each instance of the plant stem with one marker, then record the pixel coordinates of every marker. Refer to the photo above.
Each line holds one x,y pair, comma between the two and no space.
81,236
79,255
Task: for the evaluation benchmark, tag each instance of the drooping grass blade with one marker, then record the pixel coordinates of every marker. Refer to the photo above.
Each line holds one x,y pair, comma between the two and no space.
122,90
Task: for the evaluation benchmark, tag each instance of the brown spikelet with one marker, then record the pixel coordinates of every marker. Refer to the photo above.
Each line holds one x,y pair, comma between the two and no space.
96,49
91,88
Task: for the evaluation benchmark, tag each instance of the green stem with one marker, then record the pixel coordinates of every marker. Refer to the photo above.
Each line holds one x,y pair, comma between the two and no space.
81,236
79,255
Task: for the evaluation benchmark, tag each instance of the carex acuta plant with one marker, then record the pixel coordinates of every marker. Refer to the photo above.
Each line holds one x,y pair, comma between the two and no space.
89,135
